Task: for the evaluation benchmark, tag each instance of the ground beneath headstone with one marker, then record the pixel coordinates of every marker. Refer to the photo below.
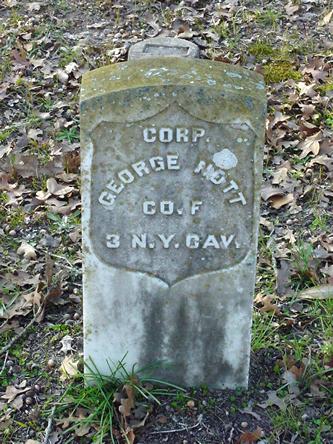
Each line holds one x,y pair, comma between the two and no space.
45,48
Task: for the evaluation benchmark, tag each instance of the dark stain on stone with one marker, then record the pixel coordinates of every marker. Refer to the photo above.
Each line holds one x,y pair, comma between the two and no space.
154,327
249,102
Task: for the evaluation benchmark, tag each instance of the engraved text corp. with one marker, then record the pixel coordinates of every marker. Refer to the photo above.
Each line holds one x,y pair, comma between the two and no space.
167,135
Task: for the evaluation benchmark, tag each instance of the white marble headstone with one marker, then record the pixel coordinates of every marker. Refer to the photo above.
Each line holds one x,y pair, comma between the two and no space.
171,174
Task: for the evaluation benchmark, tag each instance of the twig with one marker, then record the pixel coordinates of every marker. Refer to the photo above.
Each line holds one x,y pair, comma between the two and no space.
184,429
4,363
19,335
231,434
48,429
3,324
63,258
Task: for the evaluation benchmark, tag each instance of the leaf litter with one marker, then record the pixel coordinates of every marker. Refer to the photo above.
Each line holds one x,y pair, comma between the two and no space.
45,48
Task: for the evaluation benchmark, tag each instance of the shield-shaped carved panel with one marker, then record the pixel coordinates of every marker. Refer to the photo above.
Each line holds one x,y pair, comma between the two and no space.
172,195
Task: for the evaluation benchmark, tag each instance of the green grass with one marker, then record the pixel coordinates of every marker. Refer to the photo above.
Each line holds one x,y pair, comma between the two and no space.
322,312
32,119
16,217
66,56
302,257
63,224
328,119
5,66
319,222
4,135
41,150
264,330
180,400
326,87
269,18
46,104
63,328
290,421
71,135
266,276
222,30
101,399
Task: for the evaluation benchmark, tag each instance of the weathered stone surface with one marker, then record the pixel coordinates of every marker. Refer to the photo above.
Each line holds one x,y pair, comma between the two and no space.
163,47
171,172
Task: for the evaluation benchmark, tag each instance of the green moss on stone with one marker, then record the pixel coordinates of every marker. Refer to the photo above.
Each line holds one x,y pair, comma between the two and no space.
279,71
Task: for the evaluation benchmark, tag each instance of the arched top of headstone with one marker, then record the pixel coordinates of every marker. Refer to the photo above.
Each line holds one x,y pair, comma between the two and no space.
163,47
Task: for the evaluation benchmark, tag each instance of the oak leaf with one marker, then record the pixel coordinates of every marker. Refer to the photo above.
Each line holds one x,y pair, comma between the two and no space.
250,437
273,399
279,201
12,392
310,145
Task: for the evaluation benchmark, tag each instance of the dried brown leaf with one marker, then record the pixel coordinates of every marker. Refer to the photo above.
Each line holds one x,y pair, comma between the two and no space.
35,297
56,189
307,110
273,399
283,278
49,267
279,201
266,223
62,75
34,133
320,292
12,392
69,367
269,191
307,90
17,403
326,19
310,145
280,175
66,344
82,430
267,305
11,3
291,8
162,419
129,435
128,403
250,437
325,160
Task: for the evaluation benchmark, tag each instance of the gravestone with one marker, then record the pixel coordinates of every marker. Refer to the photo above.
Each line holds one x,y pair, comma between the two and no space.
171,176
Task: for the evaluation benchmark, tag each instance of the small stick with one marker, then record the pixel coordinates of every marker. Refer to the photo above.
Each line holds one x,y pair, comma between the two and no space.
4,363
19,335
184,429
63,258
49,427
